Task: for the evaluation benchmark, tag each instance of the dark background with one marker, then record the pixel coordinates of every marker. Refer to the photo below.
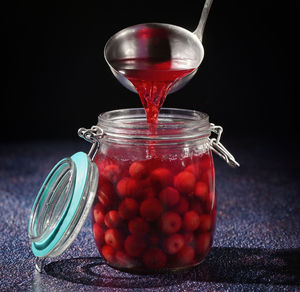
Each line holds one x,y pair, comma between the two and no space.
55,78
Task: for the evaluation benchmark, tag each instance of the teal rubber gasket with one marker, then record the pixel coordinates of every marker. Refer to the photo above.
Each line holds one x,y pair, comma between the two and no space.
43,248
47,185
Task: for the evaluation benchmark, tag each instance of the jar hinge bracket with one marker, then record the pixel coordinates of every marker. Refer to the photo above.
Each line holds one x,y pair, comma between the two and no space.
219,148
92,135
39,264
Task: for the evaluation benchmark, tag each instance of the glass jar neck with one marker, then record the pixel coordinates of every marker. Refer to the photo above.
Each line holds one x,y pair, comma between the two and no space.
175,126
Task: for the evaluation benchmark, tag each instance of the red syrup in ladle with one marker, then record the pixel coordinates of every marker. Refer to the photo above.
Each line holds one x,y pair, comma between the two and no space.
153,80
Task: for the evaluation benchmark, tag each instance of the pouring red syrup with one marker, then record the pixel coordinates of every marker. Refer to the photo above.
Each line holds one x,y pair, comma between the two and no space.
155,214
153,80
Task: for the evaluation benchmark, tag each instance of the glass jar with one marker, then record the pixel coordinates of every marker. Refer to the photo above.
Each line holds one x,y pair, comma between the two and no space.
155,208
151,192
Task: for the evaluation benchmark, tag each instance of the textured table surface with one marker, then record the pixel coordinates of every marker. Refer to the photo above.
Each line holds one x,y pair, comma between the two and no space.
256,245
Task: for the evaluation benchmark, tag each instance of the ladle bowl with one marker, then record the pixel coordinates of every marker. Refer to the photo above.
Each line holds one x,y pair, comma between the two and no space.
159,42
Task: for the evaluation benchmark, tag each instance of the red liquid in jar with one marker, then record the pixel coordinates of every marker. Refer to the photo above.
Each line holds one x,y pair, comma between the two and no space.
153,80
154,215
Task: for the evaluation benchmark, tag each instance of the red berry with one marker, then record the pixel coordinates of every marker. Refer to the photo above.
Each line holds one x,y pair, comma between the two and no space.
98,213
112,219
128,186
185,256
205,223
134,245
185,182
114,238
161,177
111,172
138,170
154,258
124,260
203,241
151,209
182,206
122,187
188,237
169,196
105,192
194,169
191,221
128,208
138,225
201,190
108,253
98,234
170,222
173,243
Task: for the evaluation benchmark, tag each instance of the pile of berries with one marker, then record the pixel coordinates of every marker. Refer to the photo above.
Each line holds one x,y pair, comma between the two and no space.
154,215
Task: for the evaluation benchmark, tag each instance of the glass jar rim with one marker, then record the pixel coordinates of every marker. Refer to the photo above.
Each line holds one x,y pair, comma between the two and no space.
173,124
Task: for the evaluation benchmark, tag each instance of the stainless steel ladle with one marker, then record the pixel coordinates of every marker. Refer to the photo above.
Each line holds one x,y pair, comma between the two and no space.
158,41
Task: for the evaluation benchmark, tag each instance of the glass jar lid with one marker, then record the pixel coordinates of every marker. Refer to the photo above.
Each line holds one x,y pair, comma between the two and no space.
62,205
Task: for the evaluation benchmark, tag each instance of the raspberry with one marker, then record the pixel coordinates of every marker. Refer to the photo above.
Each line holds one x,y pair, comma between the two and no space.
105,192
124,260
170,222
185,182
194,169
134,245
173,243
112,219
161,177
128,208
201,190
98,213
128,186
114,238
138,170
138,225
111,172
108,253
203,243
154,258
205,223
169,196
185,256
182,206
151,209
191,221
98,234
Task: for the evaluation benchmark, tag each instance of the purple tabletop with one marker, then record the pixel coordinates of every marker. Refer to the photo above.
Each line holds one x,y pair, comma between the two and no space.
256,244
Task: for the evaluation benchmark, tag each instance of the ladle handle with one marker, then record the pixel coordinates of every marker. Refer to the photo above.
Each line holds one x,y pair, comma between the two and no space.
201,25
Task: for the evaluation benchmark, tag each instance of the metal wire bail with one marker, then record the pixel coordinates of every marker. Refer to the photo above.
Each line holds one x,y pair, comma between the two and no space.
219,148
39,264
92,135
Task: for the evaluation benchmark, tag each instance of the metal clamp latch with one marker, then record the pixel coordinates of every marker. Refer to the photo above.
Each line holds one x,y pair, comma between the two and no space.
92,135
219,148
